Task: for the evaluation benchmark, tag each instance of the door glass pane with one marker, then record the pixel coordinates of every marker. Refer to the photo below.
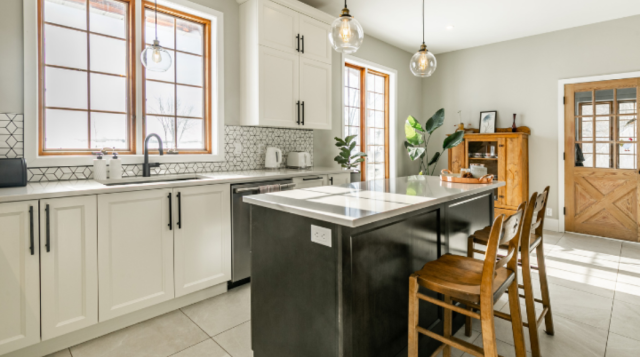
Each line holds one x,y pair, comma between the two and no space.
70,13
65,88
189,36
584,129
583,102
164,127
604,126
108,17
64,47
190,133
584,154
108,130
627,155
626,100
604,98
108,55
627,128
66,129
604,157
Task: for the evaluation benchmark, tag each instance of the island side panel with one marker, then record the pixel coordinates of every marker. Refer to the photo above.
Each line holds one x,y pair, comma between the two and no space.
294,306
462,218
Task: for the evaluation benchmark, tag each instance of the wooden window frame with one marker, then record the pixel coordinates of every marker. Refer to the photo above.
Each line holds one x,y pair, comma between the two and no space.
363,111
131,81
207,86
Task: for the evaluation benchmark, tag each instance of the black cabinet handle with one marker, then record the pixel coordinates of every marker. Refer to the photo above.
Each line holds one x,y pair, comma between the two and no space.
302,44
298,38
311,178
302,112
47,243
31,247
298,104
179,195
170,214
331,180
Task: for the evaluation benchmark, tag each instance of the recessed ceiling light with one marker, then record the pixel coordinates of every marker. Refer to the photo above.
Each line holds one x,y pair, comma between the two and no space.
450,27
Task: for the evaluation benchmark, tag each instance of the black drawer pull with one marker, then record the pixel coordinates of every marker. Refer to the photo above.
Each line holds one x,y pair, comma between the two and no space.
31,247
302,44
298,38
47,243
170,214
298,104
312,178
303,112
179,195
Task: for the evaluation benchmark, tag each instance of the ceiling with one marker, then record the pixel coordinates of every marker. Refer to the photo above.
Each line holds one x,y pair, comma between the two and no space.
476,22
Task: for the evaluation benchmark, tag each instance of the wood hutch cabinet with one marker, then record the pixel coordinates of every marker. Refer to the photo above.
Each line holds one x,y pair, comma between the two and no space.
506,156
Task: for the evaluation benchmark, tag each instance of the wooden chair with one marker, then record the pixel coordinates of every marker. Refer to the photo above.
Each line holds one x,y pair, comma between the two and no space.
533,228
475,283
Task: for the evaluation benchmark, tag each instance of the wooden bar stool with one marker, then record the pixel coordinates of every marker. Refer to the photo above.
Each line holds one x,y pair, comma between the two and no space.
533,228
474,283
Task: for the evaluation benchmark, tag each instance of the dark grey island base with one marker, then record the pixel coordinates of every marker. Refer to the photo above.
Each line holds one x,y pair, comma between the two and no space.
351,299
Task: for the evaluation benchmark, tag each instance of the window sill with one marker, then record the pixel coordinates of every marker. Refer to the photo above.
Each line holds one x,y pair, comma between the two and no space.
84,160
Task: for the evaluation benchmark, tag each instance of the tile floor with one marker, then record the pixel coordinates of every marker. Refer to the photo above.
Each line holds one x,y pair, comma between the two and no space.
595,295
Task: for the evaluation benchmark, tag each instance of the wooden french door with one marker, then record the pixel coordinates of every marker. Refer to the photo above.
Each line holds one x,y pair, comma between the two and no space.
601,162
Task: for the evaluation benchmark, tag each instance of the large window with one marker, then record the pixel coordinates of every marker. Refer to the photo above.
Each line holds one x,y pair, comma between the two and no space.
177,102
86,86
367,115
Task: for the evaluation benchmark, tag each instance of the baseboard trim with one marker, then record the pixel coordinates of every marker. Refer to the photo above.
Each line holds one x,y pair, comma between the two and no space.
102,328
552,224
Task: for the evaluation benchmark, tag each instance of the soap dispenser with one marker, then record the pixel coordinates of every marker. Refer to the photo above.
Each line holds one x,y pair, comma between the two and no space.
99,167
115,167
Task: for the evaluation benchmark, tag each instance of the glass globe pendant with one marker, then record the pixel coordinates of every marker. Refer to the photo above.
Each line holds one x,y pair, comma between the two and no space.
346,33
154,57
423,63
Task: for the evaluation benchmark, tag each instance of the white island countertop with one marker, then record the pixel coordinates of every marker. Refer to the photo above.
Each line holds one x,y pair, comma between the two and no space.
361,203
54,189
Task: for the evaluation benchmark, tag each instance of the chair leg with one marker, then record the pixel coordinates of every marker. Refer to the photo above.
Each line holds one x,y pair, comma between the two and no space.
544,288
516,320
446,352
530,305
488,330
468,323
414,305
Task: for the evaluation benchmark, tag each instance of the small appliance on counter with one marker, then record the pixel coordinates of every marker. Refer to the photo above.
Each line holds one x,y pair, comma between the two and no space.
13,172
299,160
273,158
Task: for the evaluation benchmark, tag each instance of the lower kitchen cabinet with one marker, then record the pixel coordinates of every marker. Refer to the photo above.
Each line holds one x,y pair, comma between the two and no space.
339,179
135,251
69,264
202,237
19,276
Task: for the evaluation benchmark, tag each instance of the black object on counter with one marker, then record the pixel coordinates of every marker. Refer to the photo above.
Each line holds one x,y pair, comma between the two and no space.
13,172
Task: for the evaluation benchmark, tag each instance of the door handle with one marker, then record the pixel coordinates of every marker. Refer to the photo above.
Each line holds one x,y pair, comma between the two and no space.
303,112
298,104
302,44
298,40
331,180
31,247
170,209
47,243
179,195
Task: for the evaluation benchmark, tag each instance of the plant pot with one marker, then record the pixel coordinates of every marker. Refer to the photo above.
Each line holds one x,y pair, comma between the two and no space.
355,176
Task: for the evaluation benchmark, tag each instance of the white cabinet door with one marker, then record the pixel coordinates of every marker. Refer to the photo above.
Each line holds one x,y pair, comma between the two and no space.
315,44
278,27
19,276
339,179
69,264
310,181
315,92
202,236
135,251
278,88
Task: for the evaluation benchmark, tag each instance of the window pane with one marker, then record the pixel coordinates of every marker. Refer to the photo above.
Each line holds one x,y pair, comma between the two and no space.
190,133
353,97
375,137
352,116
108,55
108,130
379,123
583,102
604,159
108,93
190,102
64,47
167,76
108,17
65,88
189,36
371,82
603,129
379,102
65,129
354,78
70,13
379,84
165,29
163,126
627,155
190,69
160,98
627,128
371,100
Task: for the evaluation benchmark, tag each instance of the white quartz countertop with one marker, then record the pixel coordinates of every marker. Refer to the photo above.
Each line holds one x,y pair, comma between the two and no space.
55,189
361,203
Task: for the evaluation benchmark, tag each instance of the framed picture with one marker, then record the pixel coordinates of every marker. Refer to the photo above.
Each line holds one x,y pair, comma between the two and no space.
488,121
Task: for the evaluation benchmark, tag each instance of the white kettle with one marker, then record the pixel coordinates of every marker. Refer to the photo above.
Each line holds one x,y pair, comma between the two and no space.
273,158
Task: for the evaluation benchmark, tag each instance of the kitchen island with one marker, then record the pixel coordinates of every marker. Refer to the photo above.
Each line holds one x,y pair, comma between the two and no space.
345,294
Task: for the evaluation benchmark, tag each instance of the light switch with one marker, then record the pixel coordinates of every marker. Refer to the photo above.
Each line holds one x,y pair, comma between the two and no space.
321,235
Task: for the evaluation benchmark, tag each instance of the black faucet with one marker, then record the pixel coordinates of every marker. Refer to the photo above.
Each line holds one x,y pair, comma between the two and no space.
146,167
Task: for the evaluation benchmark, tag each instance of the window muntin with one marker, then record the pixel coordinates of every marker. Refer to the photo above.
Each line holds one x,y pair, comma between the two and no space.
177,102
85,87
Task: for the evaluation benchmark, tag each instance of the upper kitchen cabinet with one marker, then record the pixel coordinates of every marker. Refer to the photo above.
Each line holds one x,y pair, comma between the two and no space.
285,65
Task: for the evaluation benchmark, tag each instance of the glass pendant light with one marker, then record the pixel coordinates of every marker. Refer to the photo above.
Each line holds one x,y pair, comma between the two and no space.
346,33
154,57
423,63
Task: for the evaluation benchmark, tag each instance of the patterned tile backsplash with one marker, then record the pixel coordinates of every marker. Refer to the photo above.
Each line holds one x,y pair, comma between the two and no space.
244,149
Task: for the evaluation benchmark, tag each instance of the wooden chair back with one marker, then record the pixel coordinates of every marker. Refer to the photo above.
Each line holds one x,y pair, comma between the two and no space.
539,211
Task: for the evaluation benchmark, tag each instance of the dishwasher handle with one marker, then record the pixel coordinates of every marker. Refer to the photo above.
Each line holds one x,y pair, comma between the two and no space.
247,189
312,178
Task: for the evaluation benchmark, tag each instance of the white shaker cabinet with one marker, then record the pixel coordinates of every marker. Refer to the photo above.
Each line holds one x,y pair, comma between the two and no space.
135,251
19,276
69,264
279,80
339,179
279,27
315,45
315,94
202,236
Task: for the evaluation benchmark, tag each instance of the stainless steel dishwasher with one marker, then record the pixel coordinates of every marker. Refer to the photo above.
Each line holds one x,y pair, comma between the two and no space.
240,228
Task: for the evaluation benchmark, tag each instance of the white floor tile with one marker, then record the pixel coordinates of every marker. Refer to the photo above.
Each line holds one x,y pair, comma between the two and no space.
629,273
237,341
460,335
627,293
620,346
592,247
625,320
63,353
222,312
504,349
573,339
208,348
582,264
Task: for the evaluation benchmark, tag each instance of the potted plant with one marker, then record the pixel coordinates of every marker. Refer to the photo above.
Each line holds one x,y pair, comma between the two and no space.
417,146
348,160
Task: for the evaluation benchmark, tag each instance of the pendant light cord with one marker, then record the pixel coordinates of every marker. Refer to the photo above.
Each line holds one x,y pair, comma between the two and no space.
422,22
345,4
157,20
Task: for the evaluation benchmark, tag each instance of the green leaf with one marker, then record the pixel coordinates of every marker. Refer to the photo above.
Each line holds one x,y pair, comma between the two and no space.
358,154
345,154
414,192
408,144
435,158
413,130
453,140
339,145
348,139
359,160
339,141
435,121
415,152
353,145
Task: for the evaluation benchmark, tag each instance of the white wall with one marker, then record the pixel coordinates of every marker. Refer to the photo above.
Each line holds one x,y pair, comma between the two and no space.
409,102
11,88
521,76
